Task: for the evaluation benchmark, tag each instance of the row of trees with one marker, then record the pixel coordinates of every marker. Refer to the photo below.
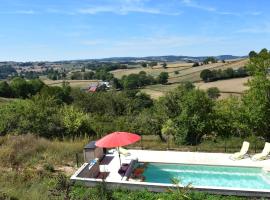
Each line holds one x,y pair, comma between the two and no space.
208,75
107,66
134,81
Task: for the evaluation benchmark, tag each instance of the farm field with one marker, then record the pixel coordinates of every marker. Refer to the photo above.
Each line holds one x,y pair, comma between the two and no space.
234,87
192,74
155,71
73,83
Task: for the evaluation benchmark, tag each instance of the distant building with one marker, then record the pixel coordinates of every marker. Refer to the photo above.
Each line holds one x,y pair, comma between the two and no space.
99,86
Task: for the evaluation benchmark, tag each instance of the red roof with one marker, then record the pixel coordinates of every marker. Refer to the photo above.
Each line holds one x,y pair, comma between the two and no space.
92,89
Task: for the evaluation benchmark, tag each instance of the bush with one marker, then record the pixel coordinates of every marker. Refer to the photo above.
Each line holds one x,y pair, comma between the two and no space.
48,167
213,92
163,78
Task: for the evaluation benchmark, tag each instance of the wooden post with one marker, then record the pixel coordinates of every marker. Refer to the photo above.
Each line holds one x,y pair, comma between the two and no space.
77,159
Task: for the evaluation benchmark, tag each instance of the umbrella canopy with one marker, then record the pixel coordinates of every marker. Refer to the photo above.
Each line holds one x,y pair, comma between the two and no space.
118,139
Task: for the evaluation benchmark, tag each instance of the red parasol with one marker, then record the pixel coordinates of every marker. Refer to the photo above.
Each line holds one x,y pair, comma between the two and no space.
118,139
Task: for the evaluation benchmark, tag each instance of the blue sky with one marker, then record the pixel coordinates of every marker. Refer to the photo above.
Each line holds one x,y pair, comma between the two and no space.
81,29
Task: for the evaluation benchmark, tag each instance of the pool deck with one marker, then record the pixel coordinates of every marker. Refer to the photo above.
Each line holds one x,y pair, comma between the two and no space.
114,179
196,158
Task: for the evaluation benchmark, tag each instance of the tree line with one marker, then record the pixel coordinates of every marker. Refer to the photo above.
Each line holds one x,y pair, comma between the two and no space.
208,75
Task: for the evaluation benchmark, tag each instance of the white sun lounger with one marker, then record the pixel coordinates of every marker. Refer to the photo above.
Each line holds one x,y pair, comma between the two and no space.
243,152
264,154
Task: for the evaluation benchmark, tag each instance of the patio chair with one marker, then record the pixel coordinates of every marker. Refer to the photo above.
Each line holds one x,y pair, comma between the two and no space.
264,154
243,152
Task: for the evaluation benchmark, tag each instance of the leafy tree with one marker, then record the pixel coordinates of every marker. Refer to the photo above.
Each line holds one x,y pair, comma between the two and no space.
213,92
20,87
40,116
36,85
76,76
252,54
194,120
144,64
206,75
153,64
169,128
209,60
230,119
116,83
131,81
88,75
258,65
60,94
257,98
164,65
74,121
196,64
5,90
163,77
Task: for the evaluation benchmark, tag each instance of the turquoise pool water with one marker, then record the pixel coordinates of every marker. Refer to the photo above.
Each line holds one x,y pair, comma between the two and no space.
211,176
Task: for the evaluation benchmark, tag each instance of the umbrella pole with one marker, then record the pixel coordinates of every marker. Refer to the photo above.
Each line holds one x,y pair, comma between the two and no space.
119,156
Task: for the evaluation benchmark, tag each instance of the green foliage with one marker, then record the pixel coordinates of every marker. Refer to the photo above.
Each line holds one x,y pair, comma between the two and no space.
77,76
20,87
230,119
194,120
259,63
60,94
209,60
107,66
163,78
144,64
75,121
49,167
196,64
208,75
5,90
164,65
134,81
213,92
6,71
153,64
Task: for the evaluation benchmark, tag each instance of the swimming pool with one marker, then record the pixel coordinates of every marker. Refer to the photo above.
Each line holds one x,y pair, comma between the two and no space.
208,176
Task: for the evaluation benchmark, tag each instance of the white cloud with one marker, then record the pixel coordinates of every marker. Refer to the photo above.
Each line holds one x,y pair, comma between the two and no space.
20,12
123,10
58,11
194,4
